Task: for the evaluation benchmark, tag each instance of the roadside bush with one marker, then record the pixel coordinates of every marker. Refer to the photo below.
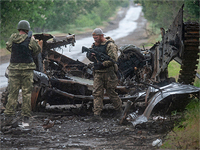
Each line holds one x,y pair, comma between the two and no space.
197,81
88,20
104,10
125,3
3,44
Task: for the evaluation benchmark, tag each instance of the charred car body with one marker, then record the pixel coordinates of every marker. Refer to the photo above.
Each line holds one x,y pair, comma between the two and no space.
60,80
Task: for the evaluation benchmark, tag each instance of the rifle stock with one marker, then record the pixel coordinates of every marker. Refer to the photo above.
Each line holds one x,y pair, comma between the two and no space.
30,34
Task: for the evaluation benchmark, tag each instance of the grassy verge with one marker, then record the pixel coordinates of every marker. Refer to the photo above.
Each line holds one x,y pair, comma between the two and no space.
197,81
185,135
173,69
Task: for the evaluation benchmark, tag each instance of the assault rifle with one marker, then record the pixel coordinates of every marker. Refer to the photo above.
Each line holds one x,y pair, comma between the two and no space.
99,55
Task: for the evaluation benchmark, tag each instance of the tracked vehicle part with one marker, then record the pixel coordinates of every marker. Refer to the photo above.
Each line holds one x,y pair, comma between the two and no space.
190,55
179,42
169,48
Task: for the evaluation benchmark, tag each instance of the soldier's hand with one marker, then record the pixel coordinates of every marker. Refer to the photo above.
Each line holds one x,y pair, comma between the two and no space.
92,54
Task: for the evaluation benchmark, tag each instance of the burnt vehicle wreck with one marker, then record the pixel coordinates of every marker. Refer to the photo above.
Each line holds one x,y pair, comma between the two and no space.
147,69
143,74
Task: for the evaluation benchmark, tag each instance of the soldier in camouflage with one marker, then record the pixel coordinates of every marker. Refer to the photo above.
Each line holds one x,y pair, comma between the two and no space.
21,68
104,74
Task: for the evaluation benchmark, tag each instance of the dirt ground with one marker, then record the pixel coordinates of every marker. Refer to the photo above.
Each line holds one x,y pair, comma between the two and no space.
66,127
69,129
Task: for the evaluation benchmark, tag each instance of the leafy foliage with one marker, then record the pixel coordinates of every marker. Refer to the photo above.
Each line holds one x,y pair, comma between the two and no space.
163,12
14,11
51,15
192,9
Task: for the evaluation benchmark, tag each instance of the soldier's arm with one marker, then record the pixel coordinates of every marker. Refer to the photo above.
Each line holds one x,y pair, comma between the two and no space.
35,47
112,52
9,43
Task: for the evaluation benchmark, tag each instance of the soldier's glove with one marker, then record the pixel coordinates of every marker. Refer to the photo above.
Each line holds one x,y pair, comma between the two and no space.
90,56
98,66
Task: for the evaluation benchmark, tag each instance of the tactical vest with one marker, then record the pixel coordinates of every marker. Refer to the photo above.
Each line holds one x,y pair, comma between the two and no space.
21,52
101,48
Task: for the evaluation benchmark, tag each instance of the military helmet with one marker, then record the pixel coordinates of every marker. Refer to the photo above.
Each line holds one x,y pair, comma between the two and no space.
23,24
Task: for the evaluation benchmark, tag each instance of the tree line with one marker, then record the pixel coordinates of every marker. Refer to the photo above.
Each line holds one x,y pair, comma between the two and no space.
163,12
62,15
53,15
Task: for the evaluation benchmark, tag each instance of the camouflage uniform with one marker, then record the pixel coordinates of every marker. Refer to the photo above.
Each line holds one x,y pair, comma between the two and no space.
20,76
106,78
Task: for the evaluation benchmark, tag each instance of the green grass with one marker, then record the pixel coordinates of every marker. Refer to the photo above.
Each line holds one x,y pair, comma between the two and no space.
197,81
173,69
185,135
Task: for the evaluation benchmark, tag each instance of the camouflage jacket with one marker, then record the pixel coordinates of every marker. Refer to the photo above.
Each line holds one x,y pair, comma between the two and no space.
33,46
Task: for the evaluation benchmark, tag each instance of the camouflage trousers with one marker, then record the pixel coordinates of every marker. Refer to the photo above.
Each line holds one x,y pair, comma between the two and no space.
107,81
19,79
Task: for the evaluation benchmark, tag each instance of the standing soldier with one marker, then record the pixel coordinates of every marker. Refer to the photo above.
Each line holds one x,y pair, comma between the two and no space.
104,74
22,48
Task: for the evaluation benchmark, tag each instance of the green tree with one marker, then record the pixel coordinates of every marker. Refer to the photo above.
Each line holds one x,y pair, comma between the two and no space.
163,12
160,12
100,12
13,11
66,12
192,9
48,15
